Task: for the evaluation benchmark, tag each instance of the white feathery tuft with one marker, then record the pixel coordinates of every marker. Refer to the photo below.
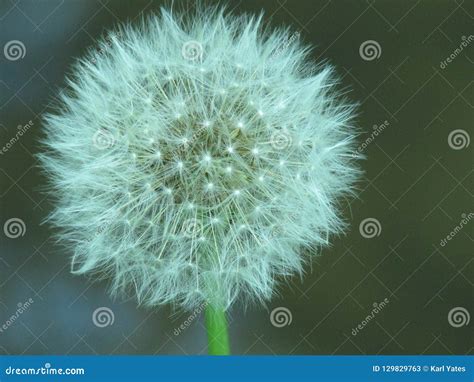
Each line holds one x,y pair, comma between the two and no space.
193,157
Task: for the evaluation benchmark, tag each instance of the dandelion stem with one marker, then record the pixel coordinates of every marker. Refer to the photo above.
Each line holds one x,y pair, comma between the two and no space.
217,336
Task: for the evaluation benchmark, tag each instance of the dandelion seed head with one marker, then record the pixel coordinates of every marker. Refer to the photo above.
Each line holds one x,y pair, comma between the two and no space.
187,196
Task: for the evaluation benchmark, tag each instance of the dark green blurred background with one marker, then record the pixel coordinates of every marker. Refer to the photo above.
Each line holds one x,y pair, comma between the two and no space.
417,185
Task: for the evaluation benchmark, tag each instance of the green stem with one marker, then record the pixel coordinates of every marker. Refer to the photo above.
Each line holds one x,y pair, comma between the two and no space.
217,336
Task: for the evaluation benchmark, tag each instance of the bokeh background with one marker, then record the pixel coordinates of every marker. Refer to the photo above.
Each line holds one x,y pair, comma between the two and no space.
391,57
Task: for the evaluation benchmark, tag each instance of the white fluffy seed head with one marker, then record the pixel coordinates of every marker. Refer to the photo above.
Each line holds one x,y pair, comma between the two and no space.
193,157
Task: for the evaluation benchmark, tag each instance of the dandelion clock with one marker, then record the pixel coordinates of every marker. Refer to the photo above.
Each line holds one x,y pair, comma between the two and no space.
192,158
